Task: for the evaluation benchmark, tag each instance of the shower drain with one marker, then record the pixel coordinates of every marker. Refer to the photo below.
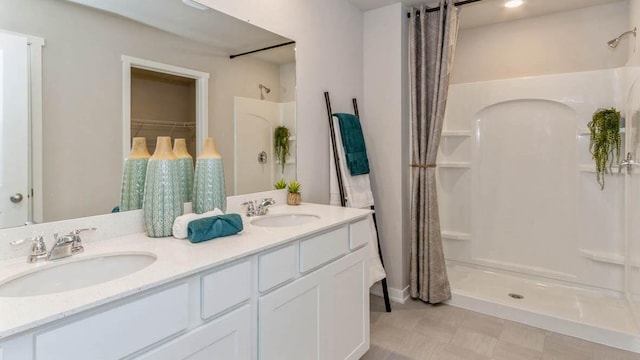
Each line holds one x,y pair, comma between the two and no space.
516,296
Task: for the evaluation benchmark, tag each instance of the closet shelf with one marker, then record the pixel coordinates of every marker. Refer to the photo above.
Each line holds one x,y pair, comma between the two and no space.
458,133
455,235
162,124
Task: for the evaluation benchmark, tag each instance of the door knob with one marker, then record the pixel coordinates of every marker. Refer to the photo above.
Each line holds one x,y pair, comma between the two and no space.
16,198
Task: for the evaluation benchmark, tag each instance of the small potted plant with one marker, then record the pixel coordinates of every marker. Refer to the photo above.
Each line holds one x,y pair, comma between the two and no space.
281,184
605,141
294,197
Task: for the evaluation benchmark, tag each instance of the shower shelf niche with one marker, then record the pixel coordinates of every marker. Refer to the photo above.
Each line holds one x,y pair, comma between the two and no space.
457,133
585,131
455,164
601,256
455,235
592,168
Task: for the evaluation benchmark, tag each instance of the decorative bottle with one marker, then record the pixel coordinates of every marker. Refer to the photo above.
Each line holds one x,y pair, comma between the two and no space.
185,168
162,202
208,183
133,175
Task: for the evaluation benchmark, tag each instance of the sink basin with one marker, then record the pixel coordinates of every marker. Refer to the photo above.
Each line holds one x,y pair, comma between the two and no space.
73,275
284,220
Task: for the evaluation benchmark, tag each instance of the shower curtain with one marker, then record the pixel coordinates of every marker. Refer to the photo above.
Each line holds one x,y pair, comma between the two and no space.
432,37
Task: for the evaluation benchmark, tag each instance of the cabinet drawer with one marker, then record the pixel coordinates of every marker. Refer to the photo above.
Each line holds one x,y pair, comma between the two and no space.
225,288
359,234
119,331
323,248
228,338
277,267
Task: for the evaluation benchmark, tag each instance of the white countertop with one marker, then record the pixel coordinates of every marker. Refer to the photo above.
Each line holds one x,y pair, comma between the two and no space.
175,259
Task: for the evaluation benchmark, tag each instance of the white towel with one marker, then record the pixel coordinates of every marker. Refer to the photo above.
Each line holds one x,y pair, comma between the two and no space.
359,195
181,222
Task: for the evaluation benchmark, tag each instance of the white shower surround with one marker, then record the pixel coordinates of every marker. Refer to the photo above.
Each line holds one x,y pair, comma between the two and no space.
517,192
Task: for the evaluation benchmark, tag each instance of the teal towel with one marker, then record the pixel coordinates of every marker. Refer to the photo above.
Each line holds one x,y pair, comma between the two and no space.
213,227
353,142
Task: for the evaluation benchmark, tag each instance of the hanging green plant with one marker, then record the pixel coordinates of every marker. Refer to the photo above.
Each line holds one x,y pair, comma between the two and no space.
281,144
604,141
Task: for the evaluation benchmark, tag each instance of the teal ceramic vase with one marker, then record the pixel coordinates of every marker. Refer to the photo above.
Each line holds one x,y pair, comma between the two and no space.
185,168
208,183
162,202
133,176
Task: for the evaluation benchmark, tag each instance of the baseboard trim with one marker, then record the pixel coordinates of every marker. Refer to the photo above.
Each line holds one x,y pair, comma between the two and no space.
395,295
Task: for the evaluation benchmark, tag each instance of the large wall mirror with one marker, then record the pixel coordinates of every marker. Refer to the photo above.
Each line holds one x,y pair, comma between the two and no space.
78,141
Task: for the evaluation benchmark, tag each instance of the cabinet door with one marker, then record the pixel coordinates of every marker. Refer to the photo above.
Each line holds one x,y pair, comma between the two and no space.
226,338
289,321
348,320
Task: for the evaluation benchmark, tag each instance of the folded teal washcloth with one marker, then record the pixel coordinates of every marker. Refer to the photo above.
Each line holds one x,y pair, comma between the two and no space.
213,227
353,143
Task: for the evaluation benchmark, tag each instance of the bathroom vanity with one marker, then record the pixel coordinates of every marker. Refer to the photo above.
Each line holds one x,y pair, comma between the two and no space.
278,290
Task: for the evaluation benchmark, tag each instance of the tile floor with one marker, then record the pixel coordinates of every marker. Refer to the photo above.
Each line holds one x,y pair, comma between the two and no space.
425,332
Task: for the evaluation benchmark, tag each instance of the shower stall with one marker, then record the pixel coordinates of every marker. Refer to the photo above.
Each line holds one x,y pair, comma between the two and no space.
528,234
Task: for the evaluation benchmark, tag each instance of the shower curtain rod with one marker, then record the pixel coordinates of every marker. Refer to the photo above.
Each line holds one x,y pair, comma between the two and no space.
459,3
263,49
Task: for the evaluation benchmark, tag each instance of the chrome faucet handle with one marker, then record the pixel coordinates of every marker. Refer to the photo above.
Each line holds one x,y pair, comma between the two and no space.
38,248
76,245
78,231
251,207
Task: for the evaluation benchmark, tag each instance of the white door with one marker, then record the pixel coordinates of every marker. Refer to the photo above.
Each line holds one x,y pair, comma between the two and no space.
14,129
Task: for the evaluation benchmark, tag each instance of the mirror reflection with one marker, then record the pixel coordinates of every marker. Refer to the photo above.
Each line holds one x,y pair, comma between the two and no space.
72,103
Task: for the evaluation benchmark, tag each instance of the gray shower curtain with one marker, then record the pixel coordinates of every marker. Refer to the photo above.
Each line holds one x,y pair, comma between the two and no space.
432,37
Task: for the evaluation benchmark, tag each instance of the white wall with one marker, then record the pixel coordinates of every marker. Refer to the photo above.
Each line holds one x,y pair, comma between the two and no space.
328,35
386,127
559,43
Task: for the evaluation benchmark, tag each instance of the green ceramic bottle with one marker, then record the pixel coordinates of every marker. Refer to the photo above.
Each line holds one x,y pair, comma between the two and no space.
162,202
208,184
133,175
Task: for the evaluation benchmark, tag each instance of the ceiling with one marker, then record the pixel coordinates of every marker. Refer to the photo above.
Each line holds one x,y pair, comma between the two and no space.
487,12
226,34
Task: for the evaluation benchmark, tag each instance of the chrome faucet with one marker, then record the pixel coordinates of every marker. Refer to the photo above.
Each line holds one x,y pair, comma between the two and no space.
63,246
257,209
67,245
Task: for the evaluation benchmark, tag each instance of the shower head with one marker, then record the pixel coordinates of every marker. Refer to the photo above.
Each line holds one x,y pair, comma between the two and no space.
614,42
262,87
265,88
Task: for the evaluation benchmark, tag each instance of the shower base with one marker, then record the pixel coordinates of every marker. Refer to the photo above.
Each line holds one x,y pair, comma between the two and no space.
598,316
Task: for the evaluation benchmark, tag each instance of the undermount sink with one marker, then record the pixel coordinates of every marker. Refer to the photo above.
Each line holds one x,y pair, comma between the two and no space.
284,220
73,275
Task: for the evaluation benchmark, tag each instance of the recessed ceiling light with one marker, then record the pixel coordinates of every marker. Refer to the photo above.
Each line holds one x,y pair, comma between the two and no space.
194,4
513,3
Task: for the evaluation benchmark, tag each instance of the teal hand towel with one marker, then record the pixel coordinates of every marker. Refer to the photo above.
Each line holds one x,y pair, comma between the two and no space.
353,143
213,227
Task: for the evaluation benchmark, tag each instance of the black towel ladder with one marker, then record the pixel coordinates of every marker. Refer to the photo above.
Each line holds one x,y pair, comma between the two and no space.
343,197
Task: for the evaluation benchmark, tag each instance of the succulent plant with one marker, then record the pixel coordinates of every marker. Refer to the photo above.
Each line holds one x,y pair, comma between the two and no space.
294,187
281,184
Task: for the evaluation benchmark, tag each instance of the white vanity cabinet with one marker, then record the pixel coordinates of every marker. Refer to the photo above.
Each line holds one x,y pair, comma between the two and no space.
302,299
323,314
